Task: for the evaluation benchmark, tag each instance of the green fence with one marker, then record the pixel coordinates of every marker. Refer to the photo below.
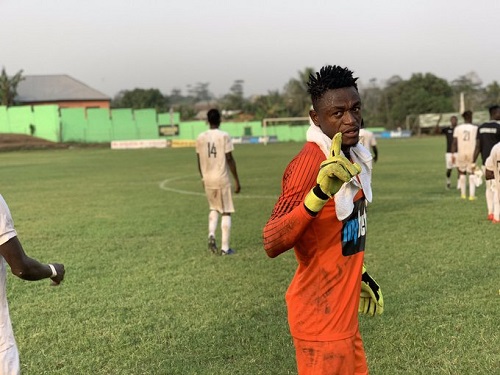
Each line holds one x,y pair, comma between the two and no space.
97,125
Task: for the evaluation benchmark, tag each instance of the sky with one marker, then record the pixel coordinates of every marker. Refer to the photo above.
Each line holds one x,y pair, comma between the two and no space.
114,45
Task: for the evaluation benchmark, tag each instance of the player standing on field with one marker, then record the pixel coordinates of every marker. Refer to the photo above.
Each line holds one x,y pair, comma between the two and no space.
24,267
367,139
488,135
321,213
464,144
493,174
215,160
448,132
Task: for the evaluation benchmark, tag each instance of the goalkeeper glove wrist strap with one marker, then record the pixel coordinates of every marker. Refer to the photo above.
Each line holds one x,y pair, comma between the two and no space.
371,283
315,200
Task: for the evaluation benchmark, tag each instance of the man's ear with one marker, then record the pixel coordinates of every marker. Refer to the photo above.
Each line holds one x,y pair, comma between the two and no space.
314,117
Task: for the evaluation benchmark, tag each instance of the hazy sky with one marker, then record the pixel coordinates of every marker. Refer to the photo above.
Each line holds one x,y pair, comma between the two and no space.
114,45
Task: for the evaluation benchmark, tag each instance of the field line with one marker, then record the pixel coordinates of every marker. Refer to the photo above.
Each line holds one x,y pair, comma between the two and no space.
164,186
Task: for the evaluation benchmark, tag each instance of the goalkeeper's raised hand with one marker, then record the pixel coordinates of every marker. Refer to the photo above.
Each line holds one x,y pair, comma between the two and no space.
333,173
371,301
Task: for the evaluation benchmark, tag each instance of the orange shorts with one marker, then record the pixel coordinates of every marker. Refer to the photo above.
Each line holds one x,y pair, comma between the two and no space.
346,357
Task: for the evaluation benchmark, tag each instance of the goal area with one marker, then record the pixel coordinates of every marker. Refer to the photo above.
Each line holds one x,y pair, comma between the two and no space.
285,128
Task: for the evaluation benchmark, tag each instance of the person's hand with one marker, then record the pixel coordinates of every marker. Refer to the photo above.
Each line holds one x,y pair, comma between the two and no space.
333,173
371,301
336,170
237,188
56,280
366,306
489,175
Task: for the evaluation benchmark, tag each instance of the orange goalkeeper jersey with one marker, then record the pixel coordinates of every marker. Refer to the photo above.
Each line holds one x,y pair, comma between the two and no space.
323,296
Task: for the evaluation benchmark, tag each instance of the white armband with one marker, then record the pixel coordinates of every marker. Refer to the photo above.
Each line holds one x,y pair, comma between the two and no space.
54,272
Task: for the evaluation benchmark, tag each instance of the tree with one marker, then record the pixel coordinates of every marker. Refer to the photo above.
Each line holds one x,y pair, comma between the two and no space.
200,92
491,94
141,98
176,96
297,99
372,97
470,85
235,99
8,87
270,105
422,93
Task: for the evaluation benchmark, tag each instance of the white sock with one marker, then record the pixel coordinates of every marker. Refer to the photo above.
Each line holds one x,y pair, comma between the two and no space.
462,185
496,205
472,185
213,219
489,196
225,225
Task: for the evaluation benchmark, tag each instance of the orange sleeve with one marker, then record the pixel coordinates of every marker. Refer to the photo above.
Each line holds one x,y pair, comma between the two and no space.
289,218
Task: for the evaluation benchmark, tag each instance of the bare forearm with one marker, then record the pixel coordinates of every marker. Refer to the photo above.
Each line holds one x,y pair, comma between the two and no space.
476,152
454,146
33,270
25,267
234,171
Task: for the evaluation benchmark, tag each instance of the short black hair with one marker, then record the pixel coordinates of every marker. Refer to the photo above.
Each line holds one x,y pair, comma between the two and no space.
467,113
213,116
330,77
493,108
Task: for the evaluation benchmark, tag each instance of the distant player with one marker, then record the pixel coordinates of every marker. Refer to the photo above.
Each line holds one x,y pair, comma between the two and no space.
488,134
448,132
215,160
367,139
464,144
493,174
26,268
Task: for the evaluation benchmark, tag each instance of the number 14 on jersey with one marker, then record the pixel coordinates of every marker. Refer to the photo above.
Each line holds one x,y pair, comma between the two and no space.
212,150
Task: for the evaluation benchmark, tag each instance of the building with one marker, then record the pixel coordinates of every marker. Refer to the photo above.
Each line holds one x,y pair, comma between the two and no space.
61,90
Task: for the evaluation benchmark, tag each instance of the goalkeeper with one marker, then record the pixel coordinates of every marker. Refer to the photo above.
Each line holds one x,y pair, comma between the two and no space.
321,213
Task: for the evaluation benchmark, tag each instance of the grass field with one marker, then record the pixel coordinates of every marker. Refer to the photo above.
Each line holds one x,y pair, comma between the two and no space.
143,295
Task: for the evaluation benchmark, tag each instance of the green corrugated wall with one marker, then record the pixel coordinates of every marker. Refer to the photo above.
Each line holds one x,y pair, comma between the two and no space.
98,125
73,125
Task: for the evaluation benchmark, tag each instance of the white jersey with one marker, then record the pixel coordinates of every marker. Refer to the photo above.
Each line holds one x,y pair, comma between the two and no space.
493,162
212,146
466,141
366,138
7,232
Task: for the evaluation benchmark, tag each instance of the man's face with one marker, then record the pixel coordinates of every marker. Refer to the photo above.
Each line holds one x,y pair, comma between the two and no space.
339,110
453,120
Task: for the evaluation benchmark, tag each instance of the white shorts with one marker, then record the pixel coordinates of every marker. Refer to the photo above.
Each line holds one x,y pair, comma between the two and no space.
9,362
448,157
464,163
220,200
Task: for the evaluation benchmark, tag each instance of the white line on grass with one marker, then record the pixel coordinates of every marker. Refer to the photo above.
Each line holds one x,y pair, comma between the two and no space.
164,183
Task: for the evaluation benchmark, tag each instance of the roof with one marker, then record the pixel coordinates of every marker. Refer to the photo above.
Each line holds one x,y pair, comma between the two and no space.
44,88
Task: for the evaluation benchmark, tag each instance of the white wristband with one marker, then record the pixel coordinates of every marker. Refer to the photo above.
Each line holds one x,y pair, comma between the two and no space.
54,272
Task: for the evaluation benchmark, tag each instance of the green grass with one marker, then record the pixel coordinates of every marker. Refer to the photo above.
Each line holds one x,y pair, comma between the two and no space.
143,296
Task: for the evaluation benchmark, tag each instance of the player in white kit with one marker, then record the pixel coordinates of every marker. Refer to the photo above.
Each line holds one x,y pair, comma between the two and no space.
215,160
367,139
492,165
21,265
464,144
